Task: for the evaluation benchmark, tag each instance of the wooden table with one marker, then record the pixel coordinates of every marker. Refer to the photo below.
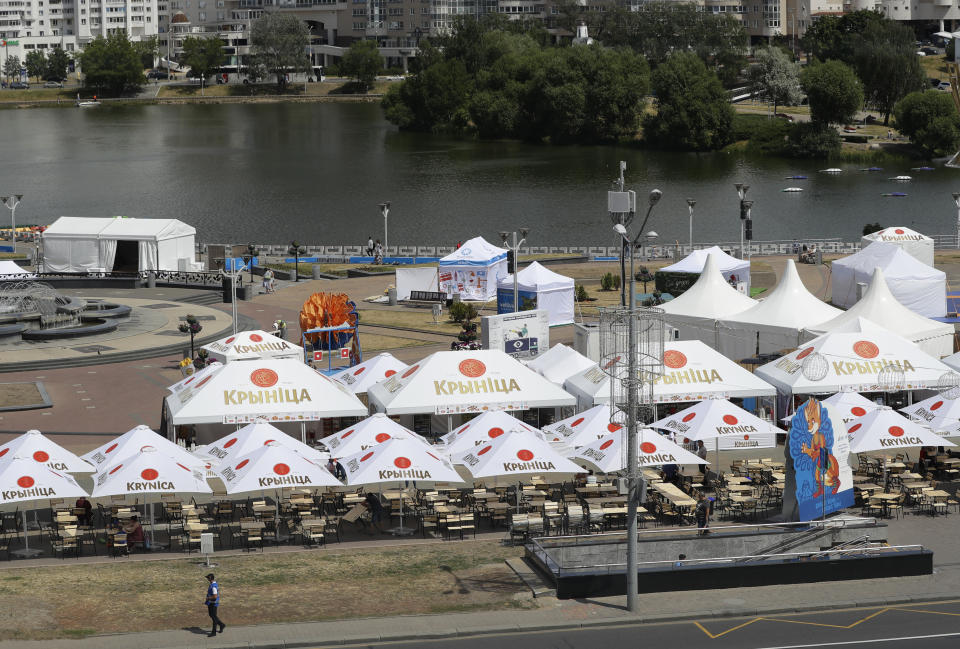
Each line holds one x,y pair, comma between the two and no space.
674,495
447,509
736,479
884,499
252,525
600,501
739,488
774,465
195,526
909,475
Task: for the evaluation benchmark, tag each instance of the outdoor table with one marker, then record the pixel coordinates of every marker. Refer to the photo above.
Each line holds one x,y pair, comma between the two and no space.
252,525
605,500
868,487
589,489
778,476
909,475
885,499
69,531
739,488
936,496
947,460
857,477
896,467
774,465
534,493
195,526
674,495
446,509
742,499
497,507
736,479
264,509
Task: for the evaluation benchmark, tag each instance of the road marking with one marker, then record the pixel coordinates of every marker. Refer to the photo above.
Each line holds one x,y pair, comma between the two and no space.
723,633
916,610
854,642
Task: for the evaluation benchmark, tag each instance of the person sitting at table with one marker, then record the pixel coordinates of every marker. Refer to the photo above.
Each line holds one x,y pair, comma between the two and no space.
591,479
669,472
87,507
134,532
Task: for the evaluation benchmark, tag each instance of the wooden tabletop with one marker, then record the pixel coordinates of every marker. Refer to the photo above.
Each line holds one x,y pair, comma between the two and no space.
673,494
739,488
884,496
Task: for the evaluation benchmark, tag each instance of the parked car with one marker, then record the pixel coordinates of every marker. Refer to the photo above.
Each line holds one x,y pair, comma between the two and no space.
929,51
19,85
50,83
934,82
158,74
785,116
943,85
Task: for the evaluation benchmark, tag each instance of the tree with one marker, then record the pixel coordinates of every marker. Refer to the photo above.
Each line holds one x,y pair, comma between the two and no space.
693,111
147,49
362,61
112,63
203,56
836,37
12,67
280,42
36,63
930,120
812,140
886,61
776,76
870,228
57,63
834,92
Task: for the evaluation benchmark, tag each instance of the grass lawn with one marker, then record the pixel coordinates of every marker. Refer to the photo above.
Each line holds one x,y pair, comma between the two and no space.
67,600
935,67
378,343
410,318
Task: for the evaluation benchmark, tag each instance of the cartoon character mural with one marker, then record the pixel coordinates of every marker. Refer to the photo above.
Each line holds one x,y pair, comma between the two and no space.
822,482
819,452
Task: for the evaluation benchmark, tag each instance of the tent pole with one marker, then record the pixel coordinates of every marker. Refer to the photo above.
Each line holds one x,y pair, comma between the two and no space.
26,539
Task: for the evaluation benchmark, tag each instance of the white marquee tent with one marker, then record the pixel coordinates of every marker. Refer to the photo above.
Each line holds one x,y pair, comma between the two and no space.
9,267
361,376
472,270
559,363
695,312
554,292
919,287
918,245
880,306
727,265
775,323
252,345
76,244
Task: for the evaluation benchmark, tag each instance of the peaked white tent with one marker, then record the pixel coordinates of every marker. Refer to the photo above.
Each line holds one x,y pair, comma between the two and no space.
559,363
721,425
274,466
375,429
41,449
514,454
776,322
608,454
952,361
691,372
582,428
131,442
917,286
10,268
695,313
880,306
550,291
250,438
918,245
252,345
939,414
854,361
360,377
77,244
729,267
447,383
472,270
885,429
482,429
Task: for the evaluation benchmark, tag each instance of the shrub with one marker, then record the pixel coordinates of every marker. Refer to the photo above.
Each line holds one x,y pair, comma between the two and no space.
745,125
610,282
675,283
580,293
461,311
812,140
770,137
870,228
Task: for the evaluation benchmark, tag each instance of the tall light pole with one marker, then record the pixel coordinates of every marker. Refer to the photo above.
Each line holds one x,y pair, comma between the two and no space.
633,459
622,207
748,224
515,248
385,211
956,201
742,192
690,204
11,202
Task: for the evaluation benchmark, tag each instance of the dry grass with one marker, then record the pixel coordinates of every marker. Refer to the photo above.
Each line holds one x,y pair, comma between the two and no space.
410,318
43,603
378,343
935,67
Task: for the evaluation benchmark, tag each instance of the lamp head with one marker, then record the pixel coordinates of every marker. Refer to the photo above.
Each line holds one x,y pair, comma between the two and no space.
503,236
655,196
524,231
741,189
691,202
956,197
652,236
385,207
619,229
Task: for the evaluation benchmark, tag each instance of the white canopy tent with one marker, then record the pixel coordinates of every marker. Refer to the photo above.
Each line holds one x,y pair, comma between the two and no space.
880,306
41,449
274,466
559,363
917,286
918,245
695,313
692,372
729,266
131,442
553,292
252,345
514,454
952,361
608,454
722,424
250,438
939,414
10,269
582,428
472,270
447,383
775,323
854,360
360,377
482,429
887,430
375,429
77,245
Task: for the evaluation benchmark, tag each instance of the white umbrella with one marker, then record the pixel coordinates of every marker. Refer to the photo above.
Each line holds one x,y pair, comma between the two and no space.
940,414
398,459
885,430
196,377
274,466
514,454
482,429
582,428
850,404
251,437
373,430
131,442
360,377
23,479
607,454
34,445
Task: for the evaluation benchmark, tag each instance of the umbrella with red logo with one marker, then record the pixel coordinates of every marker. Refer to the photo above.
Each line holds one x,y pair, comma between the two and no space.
398,460
273,466
482,429
850,404
373,430
608,455
360,377
24,479
34,445
940,414
582,428
885,430
131,442
248,439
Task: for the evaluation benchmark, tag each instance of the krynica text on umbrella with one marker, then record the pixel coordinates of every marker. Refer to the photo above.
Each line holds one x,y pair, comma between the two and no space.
279,395
476,386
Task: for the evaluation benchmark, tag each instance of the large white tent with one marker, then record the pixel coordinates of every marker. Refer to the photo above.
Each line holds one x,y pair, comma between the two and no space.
880,306
559,363
917,286
918,245
695,313
447,383
775,323
252,345
854,361
10,269
76,244
472,270
729,267
691,372
550,291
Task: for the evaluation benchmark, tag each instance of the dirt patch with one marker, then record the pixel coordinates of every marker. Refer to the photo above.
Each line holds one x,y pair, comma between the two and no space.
20,395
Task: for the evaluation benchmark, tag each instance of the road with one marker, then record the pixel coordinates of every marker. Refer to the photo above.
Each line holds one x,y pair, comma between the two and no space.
914,626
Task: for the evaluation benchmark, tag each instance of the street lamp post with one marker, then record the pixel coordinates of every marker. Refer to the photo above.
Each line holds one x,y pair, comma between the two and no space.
747,225
11,202
633,468
690,204
385,211
956,201
515,248
622,207
742,192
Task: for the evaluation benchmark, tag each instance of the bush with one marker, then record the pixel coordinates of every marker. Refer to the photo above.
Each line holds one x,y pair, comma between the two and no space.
812,140
746,125
610,282
870,228
770,137
580,293
462,311
675,283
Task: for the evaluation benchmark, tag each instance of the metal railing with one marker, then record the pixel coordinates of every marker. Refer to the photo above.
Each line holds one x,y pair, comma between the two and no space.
209,278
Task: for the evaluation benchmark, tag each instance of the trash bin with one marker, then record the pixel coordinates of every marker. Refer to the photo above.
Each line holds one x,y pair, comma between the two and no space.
317,272
245,292
392,296
225,284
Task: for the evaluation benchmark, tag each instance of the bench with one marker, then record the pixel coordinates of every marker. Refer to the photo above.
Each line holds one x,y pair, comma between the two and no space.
427,296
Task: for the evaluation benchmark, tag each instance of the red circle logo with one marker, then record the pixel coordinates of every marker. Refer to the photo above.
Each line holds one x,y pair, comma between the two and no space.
409,372
857,411
25,482
895,431
746,437
402,463
187,382
389,373
115,469
494,433
463,430
347,434
472,368
865,349
281,469
382,437
674,359
854,428
149,474
648,448
688,417
806,352
110,448
730,420
524,455
898,231
359,371
230,442
366,457
256,338
607,444
611,363
613,427
269,442
937,405
41,456
242,464
485,449
264,378
229,340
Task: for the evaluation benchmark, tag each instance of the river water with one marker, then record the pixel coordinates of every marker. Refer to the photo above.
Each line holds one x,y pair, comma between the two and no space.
316,172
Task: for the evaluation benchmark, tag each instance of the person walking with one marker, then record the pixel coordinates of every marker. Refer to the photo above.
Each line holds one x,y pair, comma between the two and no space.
378,252
268,280
369,246
213,604
702,514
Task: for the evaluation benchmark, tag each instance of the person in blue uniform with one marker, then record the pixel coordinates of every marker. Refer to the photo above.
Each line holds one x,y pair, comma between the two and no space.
213,605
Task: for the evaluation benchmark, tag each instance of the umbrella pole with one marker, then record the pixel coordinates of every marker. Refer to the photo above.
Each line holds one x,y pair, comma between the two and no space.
26,539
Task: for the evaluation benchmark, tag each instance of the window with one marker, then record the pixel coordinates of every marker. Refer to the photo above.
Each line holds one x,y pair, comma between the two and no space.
359,13
358,26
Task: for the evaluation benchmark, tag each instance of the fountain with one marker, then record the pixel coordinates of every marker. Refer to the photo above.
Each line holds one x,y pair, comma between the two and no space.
36,311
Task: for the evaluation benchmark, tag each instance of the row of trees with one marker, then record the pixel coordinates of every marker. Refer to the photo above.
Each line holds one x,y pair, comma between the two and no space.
39,65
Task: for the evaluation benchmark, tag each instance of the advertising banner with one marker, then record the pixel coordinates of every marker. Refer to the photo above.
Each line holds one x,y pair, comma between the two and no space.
527,302
818,446
522,335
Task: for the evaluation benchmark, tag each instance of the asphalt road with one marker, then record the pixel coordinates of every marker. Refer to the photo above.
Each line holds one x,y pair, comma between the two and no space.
914,626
